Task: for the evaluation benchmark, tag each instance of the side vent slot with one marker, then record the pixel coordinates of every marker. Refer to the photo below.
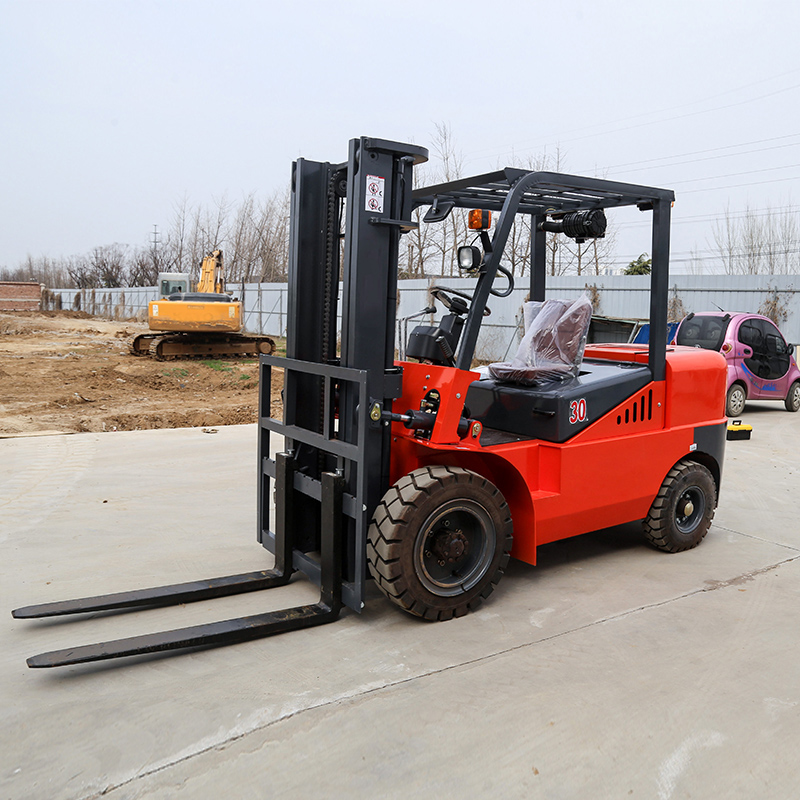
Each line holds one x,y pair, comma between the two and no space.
638,410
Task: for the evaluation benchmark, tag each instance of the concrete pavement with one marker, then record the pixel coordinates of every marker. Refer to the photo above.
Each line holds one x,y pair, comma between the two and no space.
609,670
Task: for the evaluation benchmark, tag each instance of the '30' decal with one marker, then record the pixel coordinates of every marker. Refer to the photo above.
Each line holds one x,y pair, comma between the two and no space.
577,411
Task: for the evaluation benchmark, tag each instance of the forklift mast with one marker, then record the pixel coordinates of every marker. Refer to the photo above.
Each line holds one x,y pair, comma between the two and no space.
333,405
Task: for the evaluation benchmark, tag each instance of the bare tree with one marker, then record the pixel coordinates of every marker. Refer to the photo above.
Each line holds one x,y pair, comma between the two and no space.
108,264
174,255
271,238
755,243
726,236
80,273
588,258
518,249
784,237
416,245
48,271
241,239
194,233
695,263
143,267
447,166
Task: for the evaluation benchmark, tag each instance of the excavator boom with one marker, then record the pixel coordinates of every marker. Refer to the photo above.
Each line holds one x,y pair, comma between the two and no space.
212,280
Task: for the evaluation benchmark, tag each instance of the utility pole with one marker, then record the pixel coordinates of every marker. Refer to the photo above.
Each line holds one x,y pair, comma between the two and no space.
155,243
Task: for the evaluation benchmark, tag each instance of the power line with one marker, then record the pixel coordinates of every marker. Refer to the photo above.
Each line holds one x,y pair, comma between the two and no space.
711,158
702,218
737,185
659,111
684,257
737,174
736,256
741,185
668,119
711,150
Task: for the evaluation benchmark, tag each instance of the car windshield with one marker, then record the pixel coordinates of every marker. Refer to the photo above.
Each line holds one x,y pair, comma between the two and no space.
706,332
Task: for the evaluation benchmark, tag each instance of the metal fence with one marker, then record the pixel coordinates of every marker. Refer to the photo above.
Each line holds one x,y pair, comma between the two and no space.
265,304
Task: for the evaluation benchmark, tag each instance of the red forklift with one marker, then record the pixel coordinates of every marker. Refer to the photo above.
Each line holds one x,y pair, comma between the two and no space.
425,475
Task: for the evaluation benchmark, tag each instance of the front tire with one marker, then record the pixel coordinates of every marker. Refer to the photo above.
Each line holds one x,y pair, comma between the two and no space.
439,541
792,401
683,509
735,400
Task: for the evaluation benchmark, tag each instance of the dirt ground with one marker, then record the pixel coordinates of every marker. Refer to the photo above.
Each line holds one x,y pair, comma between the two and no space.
66,371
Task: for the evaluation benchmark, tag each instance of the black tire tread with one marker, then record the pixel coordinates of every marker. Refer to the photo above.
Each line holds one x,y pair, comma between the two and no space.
390,522
656,524
788,401
739,386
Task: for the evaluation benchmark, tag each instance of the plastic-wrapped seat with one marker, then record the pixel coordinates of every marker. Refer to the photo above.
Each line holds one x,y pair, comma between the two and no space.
553,344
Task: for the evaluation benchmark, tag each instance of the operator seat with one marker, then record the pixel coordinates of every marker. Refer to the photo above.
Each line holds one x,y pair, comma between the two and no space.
553,344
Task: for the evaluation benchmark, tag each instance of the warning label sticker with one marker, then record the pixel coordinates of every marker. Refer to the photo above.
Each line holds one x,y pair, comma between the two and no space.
375,194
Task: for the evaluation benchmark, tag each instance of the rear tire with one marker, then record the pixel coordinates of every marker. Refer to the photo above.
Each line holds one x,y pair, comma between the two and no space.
792,401
735,400
683,509
439,541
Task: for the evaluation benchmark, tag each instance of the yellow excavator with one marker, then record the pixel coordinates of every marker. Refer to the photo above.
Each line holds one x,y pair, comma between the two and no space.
206,322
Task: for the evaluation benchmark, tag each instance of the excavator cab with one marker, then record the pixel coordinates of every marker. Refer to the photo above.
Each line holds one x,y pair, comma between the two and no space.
172,283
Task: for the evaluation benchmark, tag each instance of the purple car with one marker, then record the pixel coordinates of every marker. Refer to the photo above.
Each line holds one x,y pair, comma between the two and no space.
761,365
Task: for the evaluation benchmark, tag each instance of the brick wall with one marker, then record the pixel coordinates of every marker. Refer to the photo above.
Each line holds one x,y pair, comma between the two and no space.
20,296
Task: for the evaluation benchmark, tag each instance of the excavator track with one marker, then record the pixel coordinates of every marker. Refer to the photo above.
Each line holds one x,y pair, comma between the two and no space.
164,347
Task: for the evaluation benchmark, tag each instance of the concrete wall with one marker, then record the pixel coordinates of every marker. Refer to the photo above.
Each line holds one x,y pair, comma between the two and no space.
265,305
20,296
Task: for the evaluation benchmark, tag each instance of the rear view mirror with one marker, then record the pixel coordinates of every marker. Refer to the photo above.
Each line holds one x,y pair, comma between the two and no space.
439,210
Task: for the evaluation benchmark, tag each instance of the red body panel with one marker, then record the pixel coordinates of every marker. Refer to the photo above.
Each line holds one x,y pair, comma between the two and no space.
607,474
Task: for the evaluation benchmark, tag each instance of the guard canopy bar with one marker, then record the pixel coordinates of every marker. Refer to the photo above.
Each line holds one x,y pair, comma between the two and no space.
539,195
540,192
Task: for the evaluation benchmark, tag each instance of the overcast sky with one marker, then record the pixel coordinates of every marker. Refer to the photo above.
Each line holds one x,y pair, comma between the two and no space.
115,111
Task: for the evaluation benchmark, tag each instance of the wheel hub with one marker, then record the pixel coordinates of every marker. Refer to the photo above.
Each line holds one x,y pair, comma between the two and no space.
449,546
689,510
454,547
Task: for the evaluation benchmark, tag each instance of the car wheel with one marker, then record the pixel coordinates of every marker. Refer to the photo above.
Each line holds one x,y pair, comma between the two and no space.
439,541
792,401
734,403
683,509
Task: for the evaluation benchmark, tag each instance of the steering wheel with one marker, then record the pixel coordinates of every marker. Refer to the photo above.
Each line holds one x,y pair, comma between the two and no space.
442,294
